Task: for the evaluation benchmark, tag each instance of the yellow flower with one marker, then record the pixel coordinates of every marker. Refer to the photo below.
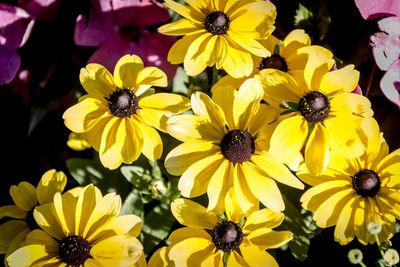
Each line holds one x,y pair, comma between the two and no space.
222,148
221,32
117,115
320,112
78,141
209,238
26,197
355,192
81,228
286,58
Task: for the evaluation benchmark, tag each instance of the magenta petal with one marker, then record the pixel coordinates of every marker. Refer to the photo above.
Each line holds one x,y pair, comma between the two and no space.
357,90
386,49
139,14
10,14
95,32
371,9
390,83
151,48
9,64
41,9
15,35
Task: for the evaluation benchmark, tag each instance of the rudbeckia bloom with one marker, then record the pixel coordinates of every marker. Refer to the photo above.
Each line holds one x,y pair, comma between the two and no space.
225,33
208,238
284,57
118,115
81,228
222,148
319,113
354,192
26,197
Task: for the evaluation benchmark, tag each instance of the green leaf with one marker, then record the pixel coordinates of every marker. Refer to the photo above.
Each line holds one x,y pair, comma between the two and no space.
225,258
87,171
290,106
133,204
302,14
180,81
156,226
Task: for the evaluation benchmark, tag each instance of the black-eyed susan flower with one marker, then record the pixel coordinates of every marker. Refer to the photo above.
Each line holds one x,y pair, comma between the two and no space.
26,197
319,112
81,228
353,192
225,33
118,116
230,237
222,148
284,57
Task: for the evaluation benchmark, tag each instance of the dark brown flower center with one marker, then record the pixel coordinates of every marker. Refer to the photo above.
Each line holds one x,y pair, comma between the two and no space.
217,23
314,106
273,62
227,236
237,146
366,183
74,250
123,103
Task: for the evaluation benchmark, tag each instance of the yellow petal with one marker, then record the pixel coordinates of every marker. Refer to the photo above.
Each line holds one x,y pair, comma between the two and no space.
314,196
142,261
263,188
126,71
12,211
256,257
199,53
247,201
264,218
288,138
50,183
153,117
27,255
110,147
267,165
169,103
219,184
183,156
133,139
317,150
232,209
184,233
159,258
119,250
46,217
341,80
328,213
151,76
118,225
24,195
203,106
235,260
254,19
191,128
181,27
279,86
249,44
8,231
224,96
83,116
192,214
178,50
264,116
246,102
191,250
195,179
351,103
85,204
152,143
390,164
16,242
294,41
265,238
97,80
344,231
108,207
319,62
237,62
185,11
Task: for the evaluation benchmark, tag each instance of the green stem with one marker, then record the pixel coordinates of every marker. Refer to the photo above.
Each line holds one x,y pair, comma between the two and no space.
378,243
362,264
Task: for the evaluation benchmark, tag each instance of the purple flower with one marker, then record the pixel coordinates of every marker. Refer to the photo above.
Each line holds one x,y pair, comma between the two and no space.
371,9
119,28
15,28
40,9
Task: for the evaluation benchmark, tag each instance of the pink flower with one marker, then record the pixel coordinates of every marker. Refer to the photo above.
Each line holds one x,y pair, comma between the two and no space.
119,28
390,83
15,28
371,9
40,9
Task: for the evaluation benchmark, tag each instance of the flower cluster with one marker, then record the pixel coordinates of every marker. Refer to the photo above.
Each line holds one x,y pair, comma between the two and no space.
277,116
